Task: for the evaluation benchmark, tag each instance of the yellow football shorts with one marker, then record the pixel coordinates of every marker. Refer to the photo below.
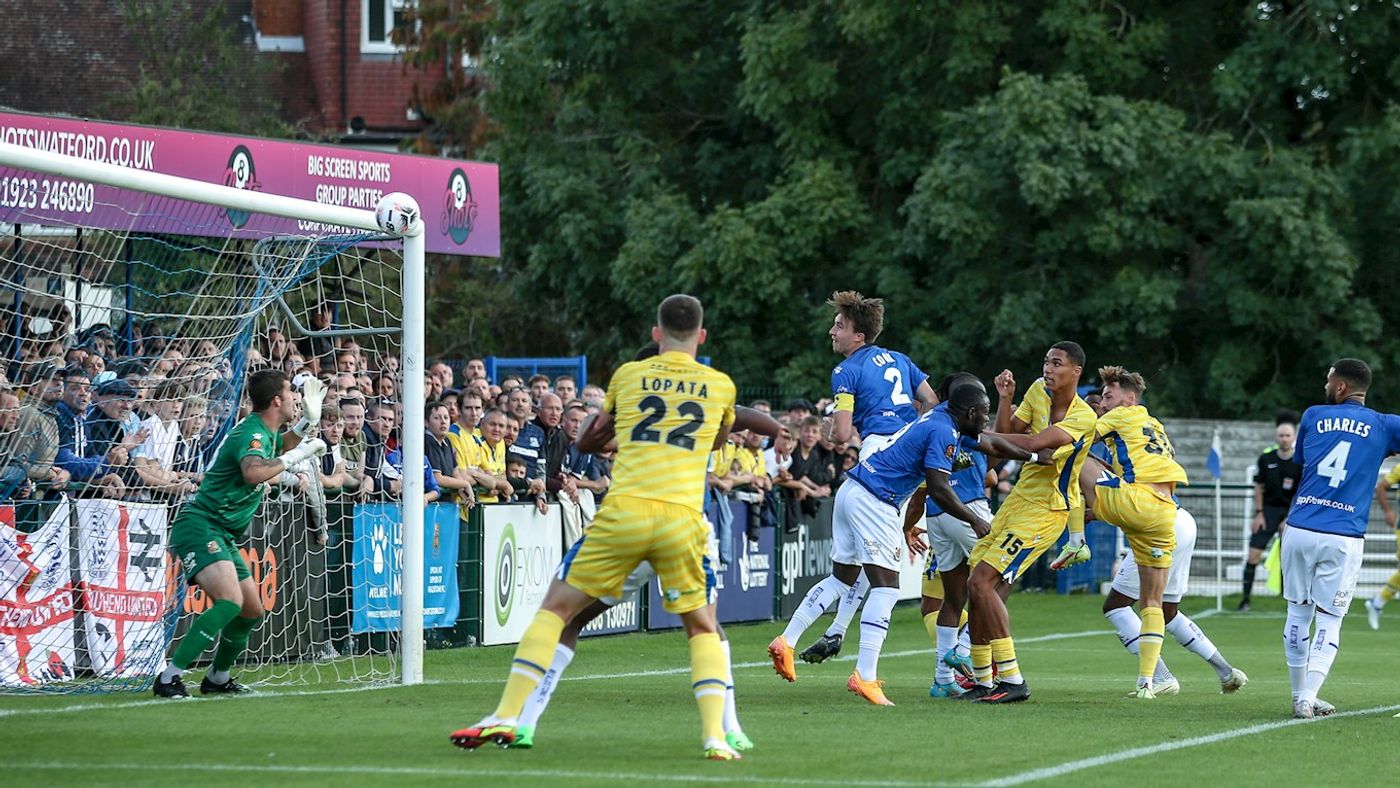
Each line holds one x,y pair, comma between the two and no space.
627,531
1147,518
1021,531
933,579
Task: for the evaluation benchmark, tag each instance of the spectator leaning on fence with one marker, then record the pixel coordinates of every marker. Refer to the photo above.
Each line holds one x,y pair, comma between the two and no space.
334,476
588,471
812,466
73,441
492,459
379,425
448,469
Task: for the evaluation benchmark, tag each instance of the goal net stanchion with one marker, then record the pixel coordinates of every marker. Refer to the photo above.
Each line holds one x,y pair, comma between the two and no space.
214,296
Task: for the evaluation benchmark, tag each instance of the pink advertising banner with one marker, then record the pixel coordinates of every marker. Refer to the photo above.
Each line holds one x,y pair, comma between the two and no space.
460,199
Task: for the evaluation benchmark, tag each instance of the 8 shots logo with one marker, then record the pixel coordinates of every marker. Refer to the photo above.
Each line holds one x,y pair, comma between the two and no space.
240,174
458,208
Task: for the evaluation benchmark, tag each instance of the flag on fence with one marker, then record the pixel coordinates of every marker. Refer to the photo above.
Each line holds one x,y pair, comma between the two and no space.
1213,458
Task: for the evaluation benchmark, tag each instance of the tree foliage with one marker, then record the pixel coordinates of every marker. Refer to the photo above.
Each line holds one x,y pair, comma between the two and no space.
1202,191
195,73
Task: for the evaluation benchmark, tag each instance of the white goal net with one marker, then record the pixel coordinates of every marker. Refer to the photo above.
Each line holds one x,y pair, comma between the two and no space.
125,354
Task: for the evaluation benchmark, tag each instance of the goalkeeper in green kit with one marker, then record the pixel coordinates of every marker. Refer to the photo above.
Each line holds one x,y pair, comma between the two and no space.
204,532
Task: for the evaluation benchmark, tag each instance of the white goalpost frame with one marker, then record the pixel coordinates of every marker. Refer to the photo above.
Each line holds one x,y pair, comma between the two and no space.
412,343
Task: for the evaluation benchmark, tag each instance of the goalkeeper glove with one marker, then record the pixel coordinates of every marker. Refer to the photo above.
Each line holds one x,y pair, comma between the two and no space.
1076,551
313,395
306,450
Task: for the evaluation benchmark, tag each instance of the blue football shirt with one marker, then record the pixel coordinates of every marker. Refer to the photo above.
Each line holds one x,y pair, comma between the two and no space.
896,470
968,483
877,386
1341,448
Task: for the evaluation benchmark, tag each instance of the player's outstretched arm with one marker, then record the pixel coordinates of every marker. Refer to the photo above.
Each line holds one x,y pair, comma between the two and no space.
942,493
746,418
257,470
995,446
1049,438
926,396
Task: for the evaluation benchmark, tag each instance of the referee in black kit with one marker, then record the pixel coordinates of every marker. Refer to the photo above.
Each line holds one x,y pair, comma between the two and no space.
1275,484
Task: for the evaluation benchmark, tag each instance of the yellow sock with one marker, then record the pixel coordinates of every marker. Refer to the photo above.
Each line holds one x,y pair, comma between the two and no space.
1150,642
1392,587
982,664
931,627
1004,655
707,672
962,620
532,659
1076,519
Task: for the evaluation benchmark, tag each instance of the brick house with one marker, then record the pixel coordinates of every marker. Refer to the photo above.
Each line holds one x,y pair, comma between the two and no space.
343,78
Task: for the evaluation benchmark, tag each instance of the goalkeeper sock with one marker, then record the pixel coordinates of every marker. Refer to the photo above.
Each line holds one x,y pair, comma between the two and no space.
813,605
731,709
536,649
1004,655
708,668
203,632
1150,644
850,603
232,643
1191,638
539,699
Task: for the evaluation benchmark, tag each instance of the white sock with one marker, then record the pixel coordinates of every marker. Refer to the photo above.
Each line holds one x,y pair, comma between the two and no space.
964,641
1378,602
947,639
874,626
170,673
1125,620
1191,638
1325,642
219,676
539,699
1295,645
731,711
813,605
850,603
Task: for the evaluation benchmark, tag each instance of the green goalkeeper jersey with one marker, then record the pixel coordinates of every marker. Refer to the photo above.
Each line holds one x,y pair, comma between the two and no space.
224,498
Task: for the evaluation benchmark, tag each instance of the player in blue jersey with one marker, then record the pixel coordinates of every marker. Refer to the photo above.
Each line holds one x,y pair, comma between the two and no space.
1340,446
867,532
877,391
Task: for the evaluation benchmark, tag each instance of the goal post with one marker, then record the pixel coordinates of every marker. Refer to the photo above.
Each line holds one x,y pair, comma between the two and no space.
85,171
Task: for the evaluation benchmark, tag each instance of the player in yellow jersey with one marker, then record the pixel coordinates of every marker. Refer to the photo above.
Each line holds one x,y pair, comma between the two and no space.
668,413
1050,416
1136,496
1375,605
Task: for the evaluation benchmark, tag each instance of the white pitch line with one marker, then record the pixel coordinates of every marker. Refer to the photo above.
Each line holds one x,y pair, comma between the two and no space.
466,771
590,677
1141,752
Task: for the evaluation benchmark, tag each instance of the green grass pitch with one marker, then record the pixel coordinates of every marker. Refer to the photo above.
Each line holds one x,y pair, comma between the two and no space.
625,715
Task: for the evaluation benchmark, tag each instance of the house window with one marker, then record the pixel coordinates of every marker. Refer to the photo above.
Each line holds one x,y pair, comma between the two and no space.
378,19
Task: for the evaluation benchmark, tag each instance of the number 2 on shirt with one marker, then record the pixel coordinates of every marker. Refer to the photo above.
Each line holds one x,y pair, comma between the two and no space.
1333,467
897,395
